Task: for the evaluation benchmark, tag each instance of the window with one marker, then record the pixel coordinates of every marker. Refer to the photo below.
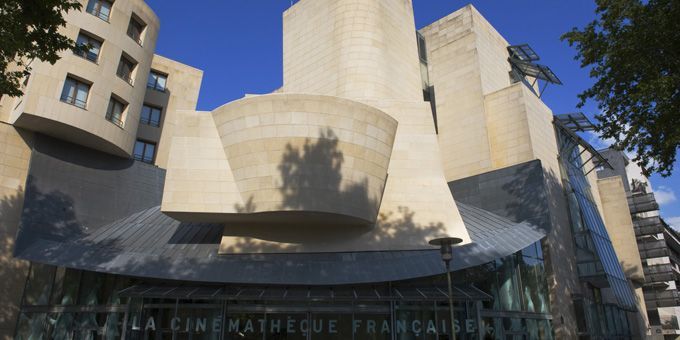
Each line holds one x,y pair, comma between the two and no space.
151,115
114,113
90,47
75,92
144,151
135,29
157,81
100,8
125,69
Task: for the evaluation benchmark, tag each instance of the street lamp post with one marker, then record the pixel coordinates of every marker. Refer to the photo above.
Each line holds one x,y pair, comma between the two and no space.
446,248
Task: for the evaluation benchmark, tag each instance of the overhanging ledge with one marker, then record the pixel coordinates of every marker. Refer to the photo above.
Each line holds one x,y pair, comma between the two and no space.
153,245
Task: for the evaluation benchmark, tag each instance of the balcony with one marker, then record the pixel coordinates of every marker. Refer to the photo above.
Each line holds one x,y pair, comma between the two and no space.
648,226
639,203
661,298
660,273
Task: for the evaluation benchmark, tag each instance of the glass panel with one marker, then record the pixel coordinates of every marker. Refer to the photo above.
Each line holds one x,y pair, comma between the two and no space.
287,326
245,326
378,326
139,150
39,284
86,326
69,91
82,91
342,326
62,325
418,320
149,152
90,289
32,327
66,286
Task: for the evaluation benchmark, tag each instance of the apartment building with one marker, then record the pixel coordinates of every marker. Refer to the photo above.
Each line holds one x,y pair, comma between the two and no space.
658,244
307,213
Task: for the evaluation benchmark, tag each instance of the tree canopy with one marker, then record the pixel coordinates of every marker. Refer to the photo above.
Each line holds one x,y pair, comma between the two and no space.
633,52
29,29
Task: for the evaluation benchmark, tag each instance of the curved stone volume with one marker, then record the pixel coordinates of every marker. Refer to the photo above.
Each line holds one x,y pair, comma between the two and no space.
344,157
308,154
291,152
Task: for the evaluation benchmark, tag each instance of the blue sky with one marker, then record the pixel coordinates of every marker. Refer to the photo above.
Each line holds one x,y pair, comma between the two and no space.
238,44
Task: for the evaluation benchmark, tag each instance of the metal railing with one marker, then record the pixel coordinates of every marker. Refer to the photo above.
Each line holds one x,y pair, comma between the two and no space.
150,121
99,14
115,119
74,101
126,77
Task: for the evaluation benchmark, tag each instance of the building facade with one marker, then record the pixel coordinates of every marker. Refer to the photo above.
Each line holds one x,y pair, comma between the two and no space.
306,213
658,245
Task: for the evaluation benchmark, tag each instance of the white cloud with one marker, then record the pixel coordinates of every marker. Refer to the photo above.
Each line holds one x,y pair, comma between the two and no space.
673,222
664,195
597,142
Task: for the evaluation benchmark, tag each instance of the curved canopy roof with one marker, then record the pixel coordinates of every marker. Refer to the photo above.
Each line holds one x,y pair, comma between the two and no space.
152,244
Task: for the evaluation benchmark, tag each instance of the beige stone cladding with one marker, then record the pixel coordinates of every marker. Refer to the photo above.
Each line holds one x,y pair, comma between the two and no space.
416,205
306,153
181,93
40,109
15,152
619,225
199,182
351,48
486,123
416,188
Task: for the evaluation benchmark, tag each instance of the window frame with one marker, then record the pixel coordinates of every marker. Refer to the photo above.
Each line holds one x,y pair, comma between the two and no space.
154,86
72,99
97,7
144,149
149,121
139,24
114,100
133,66
90,38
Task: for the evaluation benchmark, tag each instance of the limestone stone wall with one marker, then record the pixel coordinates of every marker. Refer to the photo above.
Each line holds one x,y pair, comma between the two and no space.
454,69
487,123
40,109
351,48
288,152
15,152
620,226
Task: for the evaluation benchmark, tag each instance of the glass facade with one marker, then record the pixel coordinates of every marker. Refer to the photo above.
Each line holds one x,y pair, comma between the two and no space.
595,252
61,303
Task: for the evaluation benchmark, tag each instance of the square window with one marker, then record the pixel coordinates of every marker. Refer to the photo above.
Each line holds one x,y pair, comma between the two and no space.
126,67
100,8
114,113
75,92
90,47
144,151
157,81
151,115
136,29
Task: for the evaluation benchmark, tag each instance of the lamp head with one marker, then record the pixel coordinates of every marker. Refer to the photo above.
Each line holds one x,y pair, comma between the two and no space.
446,246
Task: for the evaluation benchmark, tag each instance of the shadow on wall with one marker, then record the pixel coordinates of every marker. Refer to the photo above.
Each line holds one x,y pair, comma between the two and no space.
49,219
315,169
312,180
12,271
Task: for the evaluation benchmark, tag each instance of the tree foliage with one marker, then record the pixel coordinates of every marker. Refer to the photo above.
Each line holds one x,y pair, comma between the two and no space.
633,52
29,29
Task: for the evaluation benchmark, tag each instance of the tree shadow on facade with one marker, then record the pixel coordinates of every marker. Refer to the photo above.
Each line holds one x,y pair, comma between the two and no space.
312,188
312,179
50,231
12,271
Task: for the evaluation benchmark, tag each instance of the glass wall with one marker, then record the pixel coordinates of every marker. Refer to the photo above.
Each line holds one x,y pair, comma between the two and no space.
61,303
